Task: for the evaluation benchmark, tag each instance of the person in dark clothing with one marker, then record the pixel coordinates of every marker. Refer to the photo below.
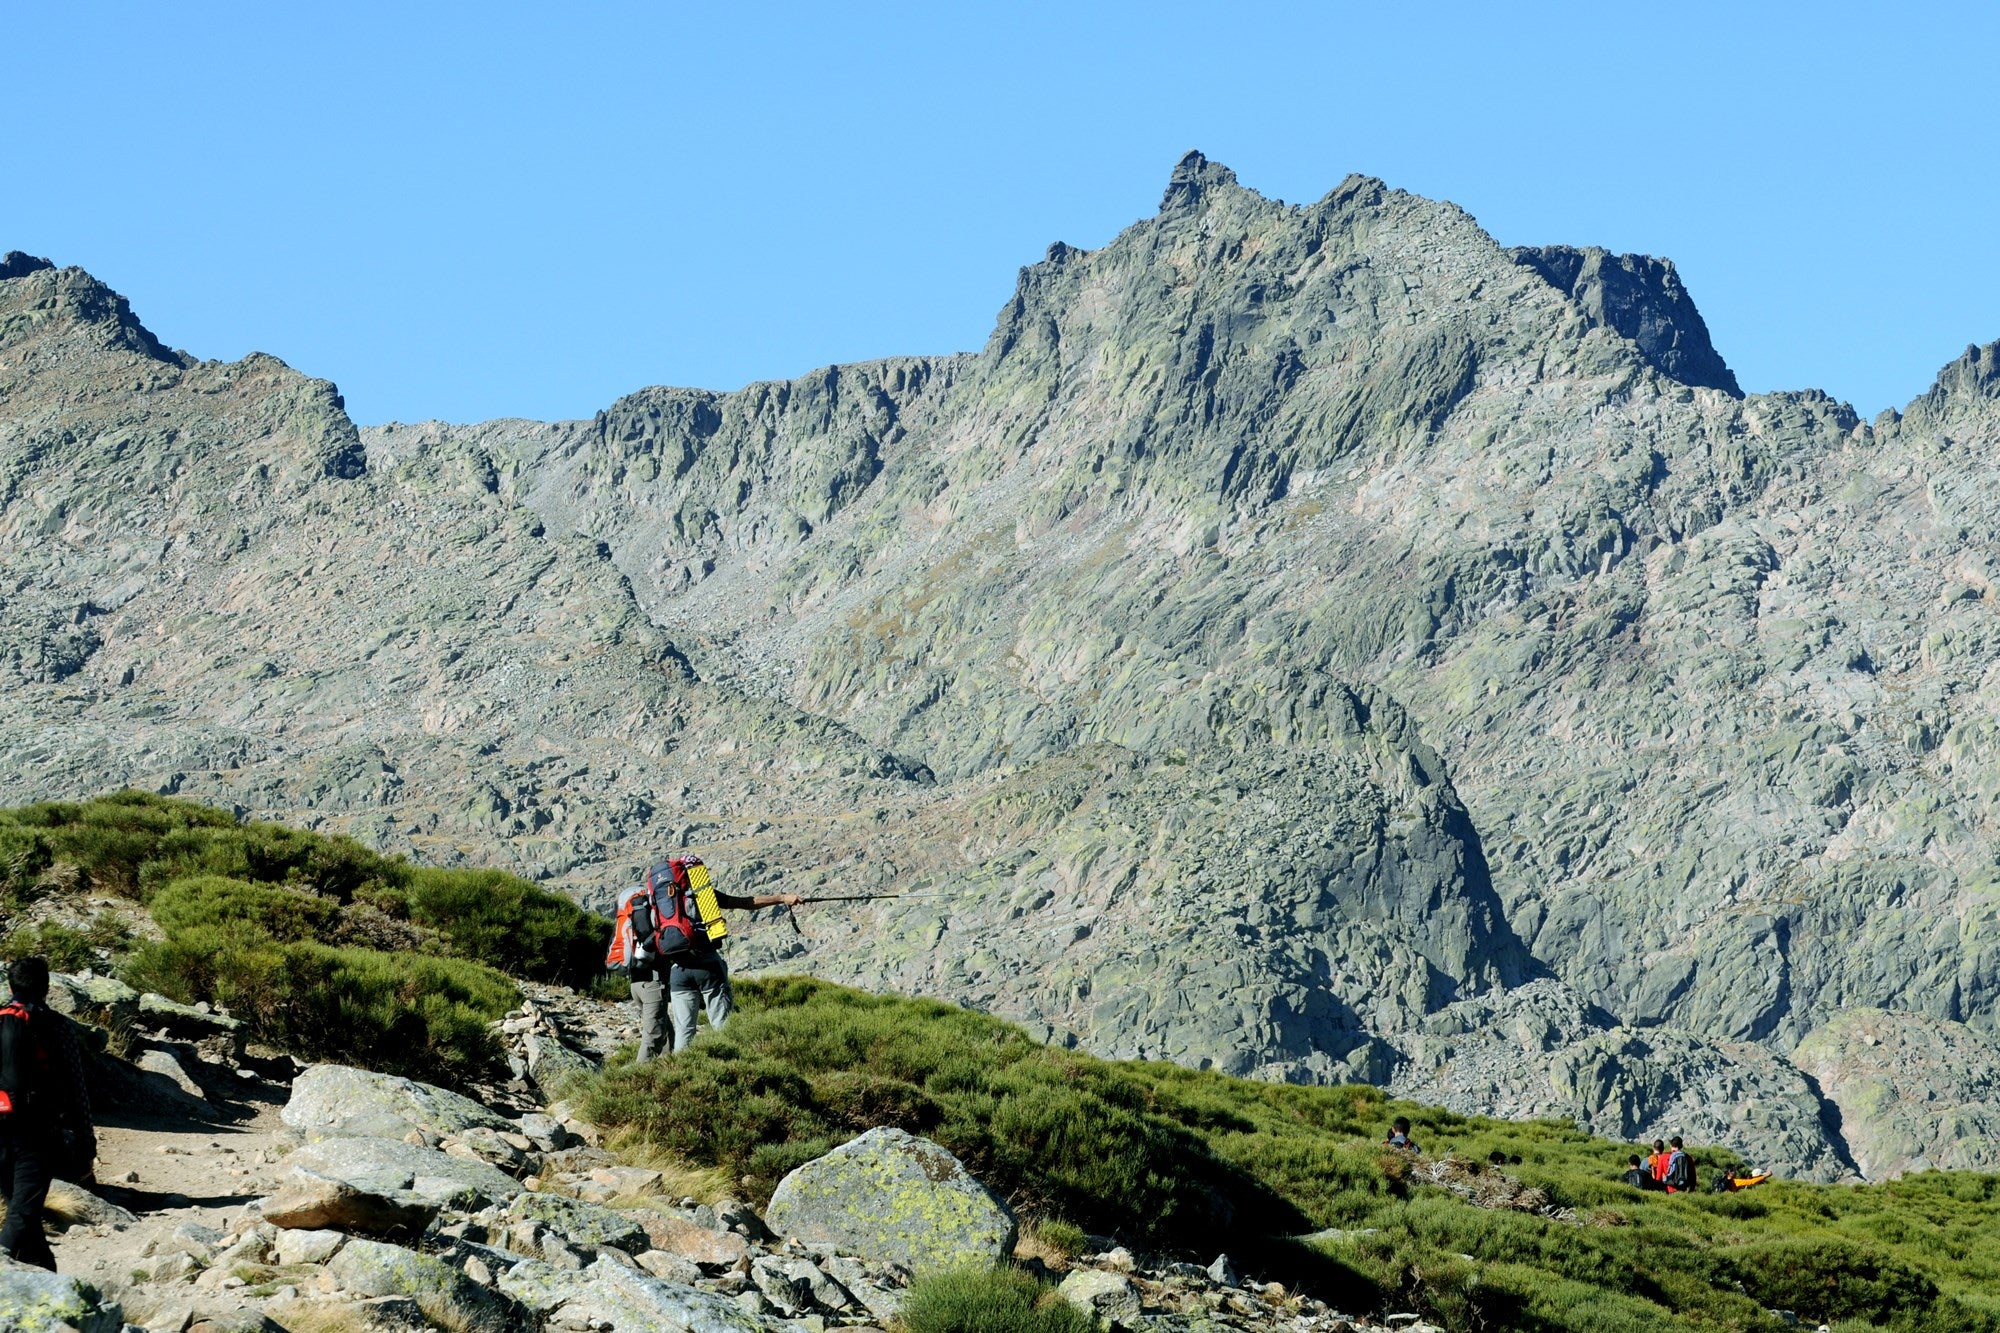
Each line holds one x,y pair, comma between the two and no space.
1638,1176
1399,1136
44,1110
700,977
1679,1177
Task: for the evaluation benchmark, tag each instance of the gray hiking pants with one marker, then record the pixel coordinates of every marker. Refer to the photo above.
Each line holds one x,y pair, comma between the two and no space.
703,984
651,997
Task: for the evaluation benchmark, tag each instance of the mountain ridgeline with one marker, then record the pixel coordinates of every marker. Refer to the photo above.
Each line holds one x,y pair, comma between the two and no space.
1311,642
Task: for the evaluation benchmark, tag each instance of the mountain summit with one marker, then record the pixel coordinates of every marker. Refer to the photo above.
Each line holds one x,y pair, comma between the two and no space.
1309,641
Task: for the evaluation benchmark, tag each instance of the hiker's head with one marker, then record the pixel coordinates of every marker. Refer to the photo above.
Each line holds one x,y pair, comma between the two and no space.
1401,1125
1659,1145
1675,1140
1497,1158
28,978
1633,1160
1513,1159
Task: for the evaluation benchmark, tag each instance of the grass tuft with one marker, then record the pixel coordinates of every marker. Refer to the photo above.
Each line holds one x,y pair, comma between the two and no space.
989,1300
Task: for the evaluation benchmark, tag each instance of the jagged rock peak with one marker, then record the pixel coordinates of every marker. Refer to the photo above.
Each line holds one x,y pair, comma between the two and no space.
1194,177
19,264
1975,374
1642,298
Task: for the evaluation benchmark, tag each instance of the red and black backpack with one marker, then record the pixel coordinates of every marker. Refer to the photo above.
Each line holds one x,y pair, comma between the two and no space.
15,1098
656,921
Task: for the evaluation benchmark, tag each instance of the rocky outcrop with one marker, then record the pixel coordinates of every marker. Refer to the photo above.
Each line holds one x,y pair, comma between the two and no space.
1912,1092
1641,297
891,1197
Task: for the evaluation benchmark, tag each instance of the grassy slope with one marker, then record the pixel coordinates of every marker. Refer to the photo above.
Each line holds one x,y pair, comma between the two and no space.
1200,1162
323,946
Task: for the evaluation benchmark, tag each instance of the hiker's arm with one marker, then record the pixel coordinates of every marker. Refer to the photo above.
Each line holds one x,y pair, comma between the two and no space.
742,903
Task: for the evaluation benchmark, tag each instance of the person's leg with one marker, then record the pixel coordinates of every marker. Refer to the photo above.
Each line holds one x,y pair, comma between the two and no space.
652,998
720,999
24,1173
687,1004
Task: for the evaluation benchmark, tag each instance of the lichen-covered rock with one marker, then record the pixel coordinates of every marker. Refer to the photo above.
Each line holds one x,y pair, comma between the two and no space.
335,1101
34,1300
374,1268
584,1224
1111,1297
891,1196
392,1167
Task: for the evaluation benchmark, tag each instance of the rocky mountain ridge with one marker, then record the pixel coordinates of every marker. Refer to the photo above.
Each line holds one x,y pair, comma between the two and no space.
1314,641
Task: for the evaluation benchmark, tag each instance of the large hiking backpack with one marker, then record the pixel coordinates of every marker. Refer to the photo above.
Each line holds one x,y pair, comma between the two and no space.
1680,1172
16,1100
673,913
49,1065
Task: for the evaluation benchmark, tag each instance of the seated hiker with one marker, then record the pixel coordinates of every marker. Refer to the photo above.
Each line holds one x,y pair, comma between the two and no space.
1680,1174
1399,1136
1637,1176
1724,1182
1496,1158
45,1128
666,937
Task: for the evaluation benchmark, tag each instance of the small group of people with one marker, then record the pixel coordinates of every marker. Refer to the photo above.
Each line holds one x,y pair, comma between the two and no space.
1670,1169
45,1124
1667,1169
666,941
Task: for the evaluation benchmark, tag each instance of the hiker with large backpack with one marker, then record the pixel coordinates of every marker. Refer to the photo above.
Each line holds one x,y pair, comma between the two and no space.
666,937
45,1128
1679,1178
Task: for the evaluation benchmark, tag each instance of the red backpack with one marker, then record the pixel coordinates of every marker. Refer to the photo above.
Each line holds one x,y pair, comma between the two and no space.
17,1099
673,912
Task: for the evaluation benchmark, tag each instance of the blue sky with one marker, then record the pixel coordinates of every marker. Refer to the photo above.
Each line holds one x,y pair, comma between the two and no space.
494,209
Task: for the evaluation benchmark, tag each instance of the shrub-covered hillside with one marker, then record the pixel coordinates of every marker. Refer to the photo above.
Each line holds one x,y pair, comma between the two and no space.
324,947
1200,1162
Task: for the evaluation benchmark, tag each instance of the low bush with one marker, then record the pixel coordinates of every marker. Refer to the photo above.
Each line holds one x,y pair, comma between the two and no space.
989,1300
66,948
807,1065
410,1014
139,845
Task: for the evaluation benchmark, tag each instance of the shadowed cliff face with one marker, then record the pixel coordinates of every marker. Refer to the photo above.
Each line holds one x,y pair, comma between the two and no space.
1309,640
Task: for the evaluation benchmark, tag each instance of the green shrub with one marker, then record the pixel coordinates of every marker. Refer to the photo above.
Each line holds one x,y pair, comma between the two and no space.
278,914
65,948
806,1065
1064,1238
989,1300
508,923
141,846
410,1014
1827,1279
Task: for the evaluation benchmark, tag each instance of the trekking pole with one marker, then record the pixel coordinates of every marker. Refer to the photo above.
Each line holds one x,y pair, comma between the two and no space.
870,897
793,916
